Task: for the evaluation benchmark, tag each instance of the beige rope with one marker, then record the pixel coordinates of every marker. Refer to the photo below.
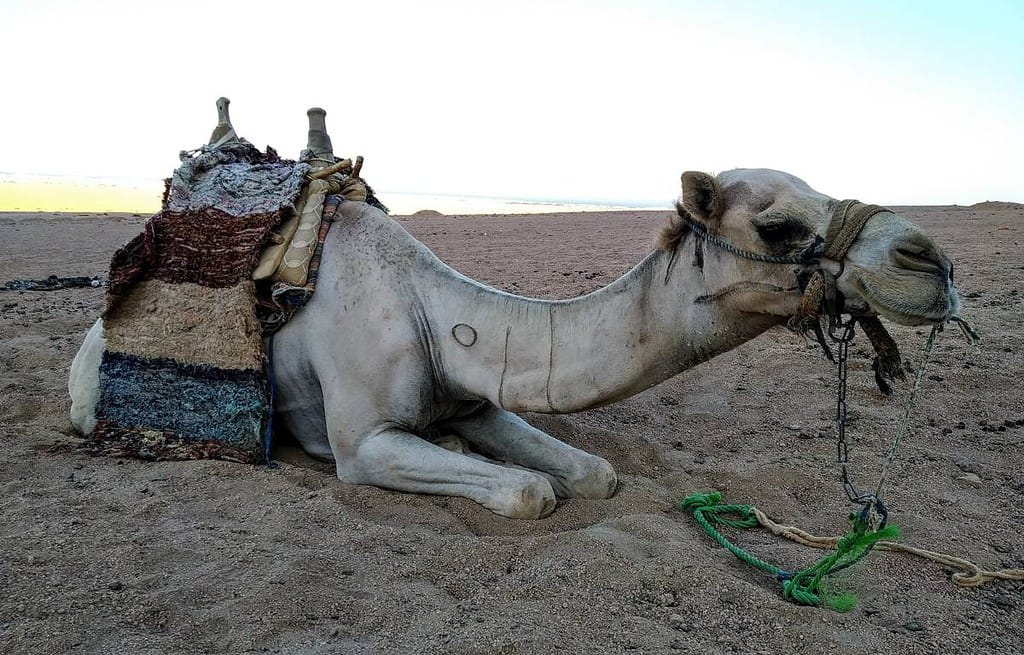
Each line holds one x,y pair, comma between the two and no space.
969,574
848,219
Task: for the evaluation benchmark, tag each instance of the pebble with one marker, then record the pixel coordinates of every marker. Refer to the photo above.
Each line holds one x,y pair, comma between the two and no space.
732,596
115,585
678,621
913,626
936,378
1005,600
971,479
667,599
965,464
961,426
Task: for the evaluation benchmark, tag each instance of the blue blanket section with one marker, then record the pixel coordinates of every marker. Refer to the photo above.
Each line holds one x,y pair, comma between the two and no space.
193,402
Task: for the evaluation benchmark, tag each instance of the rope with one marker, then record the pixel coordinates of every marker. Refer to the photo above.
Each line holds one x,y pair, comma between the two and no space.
968,575
901,429
802,587
888,364
848,219
806,257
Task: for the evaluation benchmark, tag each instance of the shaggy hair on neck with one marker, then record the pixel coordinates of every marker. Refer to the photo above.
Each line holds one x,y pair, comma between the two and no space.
676,230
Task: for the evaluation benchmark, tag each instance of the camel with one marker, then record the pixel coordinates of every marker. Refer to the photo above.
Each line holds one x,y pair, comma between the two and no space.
396,347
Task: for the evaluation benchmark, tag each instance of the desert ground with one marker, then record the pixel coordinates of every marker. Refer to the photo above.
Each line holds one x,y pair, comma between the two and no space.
105,555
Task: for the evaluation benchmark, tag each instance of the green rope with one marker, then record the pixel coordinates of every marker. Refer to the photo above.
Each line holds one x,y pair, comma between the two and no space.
804,586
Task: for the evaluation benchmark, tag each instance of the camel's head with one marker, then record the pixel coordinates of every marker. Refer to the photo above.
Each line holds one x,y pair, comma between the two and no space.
892,268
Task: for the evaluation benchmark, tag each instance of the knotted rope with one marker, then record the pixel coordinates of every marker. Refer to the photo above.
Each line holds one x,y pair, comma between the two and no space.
820,295
804,586
888,364
968,574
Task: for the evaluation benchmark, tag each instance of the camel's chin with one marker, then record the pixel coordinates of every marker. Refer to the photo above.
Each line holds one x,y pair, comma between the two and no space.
917,300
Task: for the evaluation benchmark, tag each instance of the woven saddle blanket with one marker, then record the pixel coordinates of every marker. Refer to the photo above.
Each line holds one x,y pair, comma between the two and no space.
183,372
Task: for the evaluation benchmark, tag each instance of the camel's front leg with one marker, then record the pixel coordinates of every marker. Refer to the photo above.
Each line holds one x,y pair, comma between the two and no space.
396,459
505,436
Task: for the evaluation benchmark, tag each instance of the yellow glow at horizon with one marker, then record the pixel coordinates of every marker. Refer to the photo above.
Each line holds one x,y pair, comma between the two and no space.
71,197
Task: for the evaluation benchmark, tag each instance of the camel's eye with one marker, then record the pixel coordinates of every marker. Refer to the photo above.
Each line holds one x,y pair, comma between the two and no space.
777,230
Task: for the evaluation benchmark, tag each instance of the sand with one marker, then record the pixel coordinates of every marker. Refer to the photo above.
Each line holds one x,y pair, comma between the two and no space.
103,555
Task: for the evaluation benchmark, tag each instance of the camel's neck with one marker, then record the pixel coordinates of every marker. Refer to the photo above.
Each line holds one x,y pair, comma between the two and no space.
638,332
565,356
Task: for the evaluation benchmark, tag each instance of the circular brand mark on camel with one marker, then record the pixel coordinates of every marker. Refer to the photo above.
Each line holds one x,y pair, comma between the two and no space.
464,334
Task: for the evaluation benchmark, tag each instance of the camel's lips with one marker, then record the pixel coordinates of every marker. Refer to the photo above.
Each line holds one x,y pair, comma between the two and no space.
944,305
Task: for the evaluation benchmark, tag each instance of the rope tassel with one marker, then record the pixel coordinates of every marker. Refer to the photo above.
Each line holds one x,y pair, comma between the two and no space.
888,364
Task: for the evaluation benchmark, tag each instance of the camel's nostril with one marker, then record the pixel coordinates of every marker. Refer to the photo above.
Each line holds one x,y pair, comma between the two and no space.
915,257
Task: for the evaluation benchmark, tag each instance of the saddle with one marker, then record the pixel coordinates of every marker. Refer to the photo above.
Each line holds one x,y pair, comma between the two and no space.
231,256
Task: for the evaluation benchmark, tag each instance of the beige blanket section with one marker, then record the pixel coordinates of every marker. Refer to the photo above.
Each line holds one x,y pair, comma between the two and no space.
287,260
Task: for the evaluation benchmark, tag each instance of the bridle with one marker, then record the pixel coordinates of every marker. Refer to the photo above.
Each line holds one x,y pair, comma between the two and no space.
820,296
810,255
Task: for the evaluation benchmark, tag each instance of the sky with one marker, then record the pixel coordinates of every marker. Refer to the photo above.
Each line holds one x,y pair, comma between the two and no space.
888,102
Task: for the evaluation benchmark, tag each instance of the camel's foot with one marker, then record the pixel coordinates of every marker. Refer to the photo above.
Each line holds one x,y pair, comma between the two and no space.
399,460
572,472
528,497
592,477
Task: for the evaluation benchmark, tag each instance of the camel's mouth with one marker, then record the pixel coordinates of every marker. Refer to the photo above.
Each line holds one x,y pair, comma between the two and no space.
906,297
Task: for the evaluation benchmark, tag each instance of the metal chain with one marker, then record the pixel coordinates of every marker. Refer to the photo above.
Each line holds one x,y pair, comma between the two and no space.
873,510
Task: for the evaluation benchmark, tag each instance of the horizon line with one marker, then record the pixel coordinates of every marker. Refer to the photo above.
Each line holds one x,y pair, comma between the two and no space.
144,185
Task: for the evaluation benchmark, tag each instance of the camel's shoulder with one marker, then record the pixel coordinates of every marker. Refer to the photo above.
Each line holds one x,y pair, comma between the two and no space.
359,220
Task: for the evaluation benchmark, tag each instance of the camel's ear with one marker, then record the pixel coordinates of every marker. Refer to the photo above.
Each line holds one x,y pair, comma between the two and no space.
701,197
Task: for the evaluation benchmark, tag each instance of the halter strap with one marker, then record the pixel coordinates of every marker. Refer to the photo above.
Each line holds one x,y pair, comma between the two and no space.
820,295
848,219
